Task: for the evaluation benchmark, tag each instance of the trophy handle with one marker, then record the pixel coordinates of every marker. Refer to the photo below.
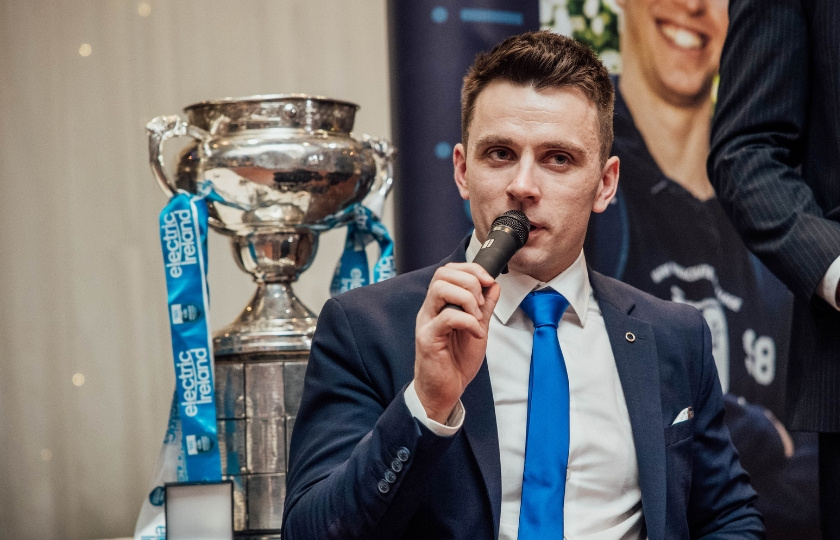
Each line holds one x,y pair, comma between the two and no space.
384,153
160,130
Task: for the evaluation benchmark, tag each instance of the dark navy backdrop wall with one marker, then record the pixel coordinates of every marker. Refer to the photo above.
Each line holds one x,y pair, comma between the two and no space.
432,44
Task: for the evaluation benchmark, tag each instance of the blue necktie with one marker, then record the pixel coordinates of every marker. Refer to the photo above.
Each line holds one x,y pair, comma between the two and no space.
547,439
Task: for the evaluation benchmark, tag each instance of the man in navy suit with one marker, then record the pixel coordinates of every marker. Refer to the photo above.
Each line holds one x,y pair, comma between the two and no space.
414,417
775,142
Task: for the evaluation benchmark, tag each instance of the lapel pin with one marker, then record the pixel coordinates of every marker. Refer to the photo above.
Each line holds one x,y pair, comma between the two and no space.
629,336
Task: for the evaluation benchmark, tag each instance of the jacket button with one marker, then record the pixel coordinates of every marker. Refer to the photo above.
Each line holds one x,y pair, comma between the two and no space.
383,486
402,454
390,477
396,465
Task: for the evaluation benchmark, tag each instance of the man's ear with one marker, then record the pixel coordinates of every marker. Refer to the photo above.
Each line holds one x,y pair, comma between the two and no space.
607,185
459,162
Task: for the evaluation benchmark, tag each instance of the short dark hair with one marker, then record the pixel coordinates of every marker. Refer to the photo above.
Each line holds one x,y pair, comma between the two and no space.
543,60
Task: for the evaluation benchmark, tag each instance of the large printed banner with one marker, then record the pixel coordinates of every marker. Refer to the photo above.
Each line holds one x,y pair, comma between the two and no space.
433,42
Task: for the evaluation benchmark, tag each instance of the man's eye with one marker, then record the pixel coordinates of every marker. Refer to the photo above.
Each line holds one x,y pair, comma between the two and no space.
500,153
560,159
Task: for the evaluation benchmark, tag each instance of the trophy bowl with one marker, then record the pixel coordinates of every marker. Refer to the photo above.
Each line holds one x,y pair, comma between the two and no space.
283,168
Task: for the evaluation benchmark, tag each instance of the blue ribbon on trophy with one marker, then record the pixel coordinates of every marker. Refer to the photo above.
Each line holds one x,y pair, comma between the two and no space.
183,230
352,270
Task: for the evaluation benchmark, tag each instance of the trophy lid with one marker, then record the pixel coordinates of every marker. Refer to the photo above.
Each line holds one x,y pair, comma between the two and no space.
300,111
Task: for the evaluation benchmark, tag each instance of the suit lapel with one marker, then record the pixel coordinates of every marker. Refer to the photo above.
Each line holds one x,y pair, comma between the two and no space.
480,422
638,369
483,437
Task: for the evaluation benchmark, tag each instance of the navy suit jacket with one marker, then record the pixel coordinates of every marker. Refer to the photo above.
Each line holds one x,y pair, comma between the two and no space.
773,162
353,426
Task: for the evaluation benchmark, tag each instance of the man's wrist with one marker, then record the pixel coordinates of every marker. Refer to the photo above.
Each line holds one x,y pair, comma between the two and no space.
448,428
438,413
438,416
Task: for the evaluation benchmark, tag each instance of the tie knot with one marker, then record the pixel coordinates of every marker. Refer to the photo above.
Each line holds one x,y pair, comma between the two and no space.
544,307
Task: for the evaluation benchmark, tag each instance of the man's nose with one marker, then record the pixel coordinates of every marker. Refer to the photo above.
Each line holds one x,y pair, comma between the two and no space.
523,186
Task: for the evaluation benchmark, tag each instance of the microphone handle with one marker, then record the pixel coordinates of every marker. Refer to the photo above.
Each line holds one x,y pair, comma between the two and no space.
494,254
496,251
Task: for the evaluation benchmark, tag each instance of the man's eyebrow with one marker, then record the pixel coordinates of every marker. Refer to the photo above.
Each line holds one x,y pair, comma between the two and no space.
567,146
493,140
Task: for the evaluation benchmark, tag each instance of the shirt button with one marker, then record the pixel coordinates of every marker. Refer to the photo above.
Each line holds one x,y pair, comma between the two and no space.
383,486
390,477
396,465
568,474
402,454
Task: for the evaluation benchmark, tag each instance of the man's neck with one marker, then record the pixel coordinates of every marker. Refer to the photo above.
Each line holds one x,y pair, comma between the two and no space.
677,135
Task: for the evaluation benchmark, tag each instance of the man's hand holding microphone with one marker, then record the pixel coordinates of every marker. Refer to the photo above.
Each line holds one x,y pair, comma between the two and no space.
452,324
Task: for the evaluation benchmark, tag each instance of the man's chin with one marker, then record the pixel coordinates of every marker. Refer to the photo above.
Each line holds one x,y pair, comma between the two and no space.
524,261
688,91
543,265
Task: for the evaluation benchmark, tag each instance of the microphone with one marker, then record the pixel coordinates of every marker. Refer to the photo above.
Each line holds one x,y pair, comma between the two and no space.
508,233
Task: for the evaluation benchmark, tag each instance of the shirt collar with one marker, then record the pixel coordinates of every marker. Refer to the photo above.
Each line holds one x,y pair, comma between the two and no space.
572,283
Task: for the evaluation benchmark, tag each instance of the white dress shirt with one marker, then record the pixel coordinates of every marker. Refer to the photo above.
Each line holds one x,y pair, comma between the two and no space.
603,499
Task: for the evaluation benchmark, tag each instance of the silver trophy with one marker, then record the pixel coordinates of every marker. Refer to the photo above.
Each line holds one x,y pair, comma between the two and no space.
283,168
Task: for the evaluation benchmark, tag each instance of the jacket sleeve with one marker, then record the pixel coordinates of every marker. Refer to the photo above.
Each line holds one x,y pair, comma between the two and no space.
759,134
721,502
349,431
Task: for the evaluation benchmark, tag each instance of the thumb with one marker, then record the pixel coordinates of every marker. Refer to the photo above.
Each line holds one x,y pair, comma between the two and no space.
491,297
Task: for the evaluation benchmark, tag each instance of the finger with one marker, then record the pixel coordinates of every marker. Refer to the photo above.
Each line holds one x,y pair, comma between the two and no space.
463,275
491,298
452,320
436,332
443,292
476,270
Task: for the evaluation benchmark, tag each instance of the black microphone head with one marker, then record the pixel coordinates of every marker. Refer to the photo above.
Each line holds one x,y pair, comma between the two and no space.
517,222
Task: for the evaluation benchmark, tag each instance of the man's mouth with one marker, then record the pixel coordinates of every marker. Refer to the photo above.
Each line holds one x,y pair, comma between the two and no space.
681,36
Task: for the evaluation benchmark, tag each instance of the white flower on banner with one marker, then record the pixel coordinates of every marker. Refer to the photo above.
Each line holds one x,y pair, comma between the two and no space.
547,8
554,15
611,59
597,26
562,22
591,8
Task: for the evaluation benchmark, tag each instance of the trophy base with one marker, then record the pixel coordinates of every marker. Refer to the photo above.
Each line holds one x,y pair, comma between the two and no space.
257,404
275,320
